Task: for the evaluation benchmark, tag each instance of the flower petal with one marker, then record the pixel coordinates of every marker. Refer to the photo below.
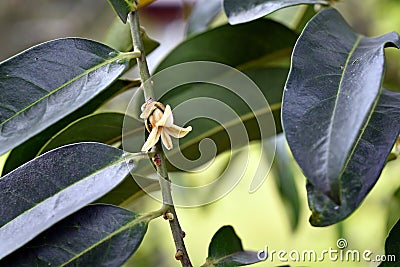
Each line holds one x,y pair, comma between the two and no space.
176,131
166,119
153,138
166,139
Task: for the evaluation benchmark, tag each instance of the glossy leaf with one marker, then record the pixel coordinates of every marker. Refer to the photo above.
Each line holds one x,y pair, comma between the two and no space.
97,235
49,81
329,99
365,164
226,250
287,188
258,65
30,148
202,15
102,127
54,185
239,11
392,247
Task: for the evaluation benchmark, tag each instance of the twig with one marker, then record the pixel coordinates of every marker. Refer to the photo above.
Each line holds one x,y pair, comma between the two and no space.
168,206
133,19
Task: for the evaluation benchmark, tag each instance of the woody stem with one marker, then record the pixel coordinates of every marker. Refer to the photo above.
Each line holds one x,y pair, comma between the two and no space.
165,182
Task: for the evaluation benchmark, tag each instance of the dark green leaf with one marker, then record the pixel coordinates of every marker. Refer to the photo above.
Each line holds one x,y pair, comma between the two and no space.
202,15
30,148
392,247
220,132
122,8
54,185
285,181
129,190
102,127
365,165
262,48
239,11
226,250
49,81
97,235
329,100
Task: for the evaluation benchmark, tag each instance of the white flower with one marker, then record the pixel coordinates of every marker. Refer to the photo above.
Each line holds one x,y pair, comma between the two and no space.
160,122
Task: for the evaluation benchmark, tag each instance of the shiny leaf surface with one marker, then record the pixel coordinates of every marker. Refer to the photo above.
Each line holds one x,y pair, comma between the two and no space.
329,100
54,185
45,83
239,11
365,165
97,235
30,148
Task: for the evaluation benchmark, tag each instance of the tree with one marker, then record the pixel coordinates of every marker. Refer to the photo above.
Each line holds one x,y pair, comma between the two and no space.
70,168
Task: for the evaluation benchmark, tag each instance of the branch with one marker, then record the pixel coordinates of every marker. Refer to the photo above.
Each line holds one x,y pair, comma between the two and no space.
159,158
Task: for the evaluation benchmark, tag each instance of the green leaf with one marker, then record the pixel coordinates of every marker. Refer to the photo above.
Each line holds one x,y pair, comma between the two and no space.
329,100
392,247
129,190
226,250
30,148
49,81
97,235
239,11
256,57
261,46
364,167
54,185
285,180
119,37
122,8
202,15
102,127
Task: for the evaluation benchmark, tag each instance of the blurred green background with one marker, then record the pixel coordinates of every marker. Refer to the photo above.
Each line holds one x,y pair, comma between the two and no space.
260,219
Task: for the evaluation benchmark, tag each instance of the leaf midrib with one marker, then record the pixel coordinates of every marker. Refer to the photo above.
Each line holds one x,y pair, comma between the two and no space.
219,128
119,161
330,128
128,225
